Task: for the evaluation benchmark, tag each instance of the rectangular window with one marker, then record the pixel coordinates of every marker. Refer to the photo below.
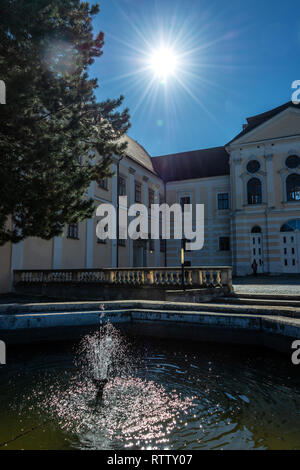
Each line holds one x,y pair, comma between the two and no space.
223,201
138,192
122,186
162,245
103,184
73,231
184,201
224,244
122,242
151,197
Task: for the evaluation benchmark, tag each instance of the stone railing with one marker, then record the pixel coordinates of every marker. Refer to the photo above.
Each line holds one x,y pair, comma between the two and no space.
194,277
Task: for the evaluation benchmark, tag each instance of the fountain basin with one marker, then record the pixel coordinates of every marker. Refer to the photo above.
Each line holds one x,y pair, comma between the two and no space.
274,331
178,396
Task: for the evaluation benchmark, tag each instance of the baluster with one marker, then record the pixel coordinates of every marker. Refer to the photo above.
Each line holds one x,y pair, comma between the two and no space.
211,278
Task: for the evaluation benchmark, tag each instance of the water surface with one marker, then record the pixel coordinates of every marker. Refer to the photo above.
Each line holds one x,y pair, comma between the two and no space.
160,395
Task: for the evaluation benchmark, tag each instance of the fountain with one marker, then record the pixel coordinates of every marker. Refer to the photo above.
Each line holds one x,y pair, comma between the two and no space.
113,392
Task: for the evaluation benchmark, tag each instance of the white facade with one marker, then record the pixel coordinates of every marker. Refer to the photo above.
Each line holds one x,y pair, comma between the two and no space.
252,208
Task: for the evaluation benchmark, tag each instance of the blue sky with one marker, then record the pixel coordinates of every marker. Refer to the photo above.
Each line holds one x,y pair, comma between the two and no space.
235,59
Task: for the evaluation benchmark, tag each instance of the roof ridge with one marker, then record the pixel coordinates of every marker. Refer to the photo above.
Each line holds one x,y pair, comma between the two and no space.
255,121
270,111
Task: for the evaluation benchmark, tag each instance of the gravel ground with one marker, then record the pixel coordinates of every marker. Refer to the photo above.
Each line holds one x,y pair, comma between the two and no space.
267,285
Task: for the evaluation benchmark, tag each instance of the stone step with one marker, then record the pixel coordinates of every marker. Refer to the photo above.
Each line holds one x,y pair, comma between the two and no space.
259,301
249,295
223,307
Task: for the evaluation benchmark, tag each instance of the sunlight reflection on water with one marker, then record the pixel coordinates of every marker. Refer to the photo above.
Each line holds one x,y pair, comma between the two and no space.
158,396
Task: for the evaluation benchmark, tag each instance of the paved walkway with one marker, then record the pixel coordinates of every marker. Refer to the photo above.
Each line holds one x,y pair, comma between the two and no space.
289,285
267,285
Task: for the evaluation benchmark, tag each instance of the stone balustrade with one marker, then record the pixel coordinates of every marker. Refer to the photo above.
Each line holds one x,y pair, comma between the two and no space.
194,277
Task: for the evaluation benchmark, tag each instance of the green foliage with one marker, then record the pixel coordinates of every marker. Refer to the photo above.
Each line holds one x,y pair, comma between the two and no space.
51,121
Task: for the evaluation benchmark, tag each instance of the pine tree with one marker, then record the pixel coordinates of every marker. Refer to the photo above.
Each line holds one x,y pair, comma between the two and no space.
51,121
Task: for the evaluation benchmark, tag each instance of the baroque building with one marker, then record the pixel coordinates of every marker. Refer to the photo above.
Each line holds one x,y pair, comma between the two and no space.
250,189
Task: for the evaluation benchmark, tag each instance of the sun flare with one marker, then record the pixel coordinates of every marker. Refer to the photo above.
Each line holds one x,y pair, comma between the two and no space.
164,62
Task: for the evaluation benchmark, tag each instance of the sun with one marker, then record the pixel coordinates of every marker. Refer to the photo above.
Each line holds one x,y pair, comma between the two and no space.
163,62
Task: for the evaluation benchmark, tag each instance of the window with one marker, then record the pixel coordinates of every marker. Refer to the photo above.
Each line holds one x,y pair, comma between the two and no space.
100,240
103,184
291,226
151,197
122,242
256,229
293,187
253,166
224,244
138,192
254,191
162,245
292,162
223,201
122,186
184,201
73,231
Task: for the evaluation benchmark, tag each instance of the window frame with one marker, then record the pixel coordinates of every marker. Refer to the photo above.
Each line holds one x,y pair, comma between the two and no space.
260,196
73,231
291,168
137,190
151,200
222,200
122,185
294,190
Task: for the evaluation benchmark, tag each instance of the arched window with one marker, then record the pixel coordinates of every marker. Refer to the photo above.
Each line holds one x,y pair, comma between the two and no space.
291,226
254,191
256,229
293,187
